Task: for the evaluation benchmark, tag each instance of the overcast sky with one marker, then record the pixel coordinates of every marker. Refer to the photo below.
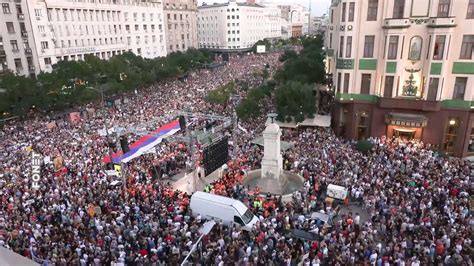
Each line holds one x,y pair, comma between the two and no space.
318,7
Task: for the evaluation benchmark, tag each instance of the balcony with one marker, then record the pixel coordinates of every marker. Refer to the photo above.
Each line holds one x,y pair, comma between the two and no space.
447,22
28,51
31,69
24,34
396,23
412,104
21,16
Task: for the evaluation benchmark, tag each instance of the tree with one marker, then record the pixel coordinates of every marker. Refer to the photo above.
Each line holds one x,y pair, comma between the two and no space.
221,95
308,67
295,100
288,54
66,86
247,108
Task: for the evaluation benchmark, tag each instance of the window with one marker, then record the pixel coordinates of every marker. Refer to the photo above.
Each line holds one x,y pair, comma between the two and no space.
365,84
346,82
450,136
459,88
388,87
466,48
351,11
392,47
416,44
443,8
439,47
18,64
339,78
238,220
470,10
6,8
14,45
341,47
369,46
332,16
372,10
343,16
10,27
330,40
349,47
47,61
433,89
247,217
44,45
398,8
362,125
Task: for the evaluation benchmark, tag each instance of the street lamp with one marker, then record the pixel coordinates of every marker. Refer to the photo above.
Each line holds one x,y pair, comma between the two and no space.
100,89
205,230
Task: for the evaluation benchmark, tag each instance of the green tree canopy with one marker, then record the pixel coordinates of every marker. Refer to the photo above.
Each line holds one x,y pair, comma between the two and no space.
295,100
308,67
288,54
222,94
67,84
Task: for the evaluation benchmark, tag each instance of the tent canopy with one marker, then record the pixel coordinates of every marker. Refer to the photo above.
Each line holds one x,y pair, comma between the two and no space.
283,144
317,121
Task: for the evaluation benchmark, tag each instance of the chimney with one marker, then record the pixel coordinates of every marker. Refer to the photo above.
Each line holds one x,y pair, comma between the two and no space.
251,2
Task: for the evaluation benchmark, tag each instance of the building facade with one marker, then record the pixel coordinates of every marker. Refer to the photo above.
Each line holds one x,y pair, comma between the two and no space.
318,25
236,26
296,19
404,68
17,46
71,29
181,24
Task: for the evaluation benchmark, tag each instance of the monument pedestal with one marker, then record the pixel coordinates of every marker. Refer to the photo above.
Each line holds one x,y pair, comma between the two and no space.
272,162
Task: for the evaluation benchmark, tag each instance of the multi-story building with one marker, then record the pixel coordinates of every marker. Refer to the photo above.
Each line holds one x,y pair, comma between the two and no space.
17,47
404,68
297,19
181,24
236,26
318,25
59,30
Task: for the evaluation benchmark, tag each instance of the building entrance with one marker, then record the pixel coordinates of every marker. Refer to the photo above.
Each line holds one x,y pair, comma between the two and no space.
405,134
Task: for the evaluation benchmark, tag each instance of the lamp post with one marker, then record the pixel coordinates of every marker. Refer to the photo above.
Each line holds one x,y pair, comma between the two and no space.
205,230
100,89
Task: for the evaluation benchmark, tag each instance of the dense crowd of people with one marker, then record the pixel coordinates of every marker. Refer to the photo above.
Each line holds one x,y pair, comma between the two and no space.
417,203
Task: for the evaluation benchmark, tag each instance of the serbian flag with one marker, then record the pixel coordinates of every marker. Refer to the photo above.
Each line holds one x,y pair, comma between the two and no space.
147,142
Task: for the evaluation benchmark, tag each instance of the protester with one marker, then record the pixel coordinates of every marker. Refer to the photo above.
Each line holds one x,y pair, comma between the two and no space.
417,202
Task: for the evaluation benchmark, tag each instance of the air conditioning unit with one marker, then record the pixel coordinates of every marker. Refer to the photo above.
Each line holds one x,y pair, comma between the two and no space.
43,34
43,51
38,18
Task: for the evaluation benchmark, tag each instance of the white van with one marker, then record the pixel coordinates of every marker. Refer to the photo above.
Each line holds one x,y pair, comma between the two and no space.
336,192
221,209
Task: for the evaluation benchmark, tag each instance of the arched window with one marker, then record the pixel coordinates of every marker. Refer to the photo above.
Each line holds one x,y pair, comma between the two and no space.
416,44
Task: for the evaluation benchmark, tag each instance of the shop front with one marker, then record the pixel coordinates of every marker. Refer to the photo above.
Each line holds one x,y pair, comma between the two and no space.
405,126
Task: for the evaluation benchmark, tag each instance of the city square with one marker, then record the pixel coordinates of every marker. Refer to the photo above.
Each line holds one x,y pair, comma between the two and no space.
264,151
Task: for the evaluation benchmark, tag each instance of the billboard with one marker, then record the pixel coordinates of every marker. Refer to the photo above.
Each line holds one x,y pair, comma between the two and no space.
261,49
